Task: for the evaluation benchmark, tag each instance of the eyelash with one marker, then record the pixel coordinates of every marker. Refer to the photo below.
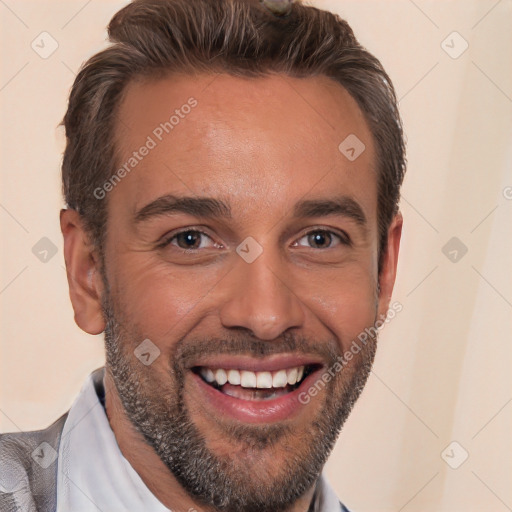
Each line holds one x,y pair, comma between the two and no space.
343,238
167,240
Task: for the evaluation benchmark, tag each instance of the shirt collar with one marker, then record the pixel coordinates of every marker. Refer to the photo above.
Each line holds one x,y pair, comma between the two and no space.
94,474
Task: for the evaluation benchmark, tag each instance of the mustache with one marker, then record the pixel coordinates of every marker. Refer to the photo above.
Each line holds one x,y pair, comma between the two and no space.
241,343
187,349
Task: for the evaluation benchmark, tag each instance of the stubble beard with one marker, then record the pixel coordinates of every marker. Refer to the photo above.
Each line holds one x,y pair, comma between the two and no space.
230,483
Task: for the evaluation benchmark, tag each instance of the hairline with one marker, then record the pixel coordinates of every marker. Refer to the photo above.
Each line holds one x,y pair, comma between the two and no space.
156,75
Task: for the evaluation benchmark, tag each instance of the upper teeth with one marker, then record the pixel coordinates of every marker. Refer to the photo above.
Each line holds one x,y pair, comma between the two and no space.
247,379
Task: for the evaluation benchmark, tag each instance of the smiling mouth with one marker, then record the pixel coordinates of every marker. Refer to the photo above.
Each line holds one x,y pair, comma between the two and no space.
255,386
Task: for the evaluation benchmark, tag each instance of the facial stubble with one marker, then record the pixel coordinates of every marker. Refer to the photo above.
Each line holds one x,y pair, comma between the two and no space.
230,483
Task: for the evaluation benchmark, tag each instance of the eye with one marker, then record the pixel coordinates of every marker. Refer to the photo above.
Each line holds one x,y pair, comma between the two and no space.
322,239
190,239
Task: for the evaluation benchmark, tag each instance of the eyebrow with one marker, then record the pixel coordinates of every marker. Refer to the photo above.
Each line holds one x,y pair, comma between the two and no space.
343,206
196,206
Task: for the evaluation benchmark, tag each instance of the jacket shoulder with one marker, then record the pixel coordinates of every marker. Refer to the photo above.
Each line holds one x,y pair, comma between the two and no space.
28,468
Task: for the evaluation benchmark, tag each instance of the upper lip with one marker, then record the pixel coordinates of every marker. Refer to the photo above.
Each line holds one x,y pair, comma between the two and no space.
251,364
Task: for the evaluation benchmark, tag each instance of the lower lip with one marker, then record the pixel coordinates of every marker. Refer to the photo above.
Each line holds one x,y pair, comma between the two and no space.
253,411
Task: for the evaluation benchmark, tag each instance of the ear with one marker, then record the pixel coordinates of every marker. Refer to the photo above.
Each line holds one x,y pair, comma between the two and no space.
83,271
389,264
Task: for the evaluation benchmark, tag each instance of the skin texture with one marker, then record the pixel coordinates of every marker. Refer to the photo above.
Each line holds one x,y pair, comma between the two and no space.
260,145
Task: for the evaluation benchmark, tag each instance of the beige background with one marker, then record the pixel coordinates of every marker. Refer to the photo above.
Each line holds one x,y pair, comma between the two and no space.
443,367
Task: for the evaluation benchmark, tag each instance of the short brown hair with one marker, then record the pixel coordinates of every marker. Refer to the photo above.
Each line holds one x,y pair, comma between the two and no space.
239,37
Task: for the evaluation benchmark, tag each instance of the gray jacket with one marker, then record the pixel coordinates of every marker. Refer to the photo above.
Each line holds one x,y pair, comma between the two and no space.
26,484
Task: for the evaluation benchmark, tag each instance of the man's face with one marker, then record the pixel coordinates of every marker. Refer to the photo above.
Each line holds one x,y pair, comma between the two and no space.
268,269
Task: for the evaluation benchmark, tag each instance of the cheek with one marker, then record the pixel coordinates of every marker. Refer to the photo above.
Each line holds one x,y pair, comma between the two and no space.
161,302
345,305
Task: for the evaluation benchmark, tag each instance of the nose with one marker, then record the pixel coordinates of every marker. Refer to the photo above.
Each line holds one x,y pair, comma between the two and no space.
259,298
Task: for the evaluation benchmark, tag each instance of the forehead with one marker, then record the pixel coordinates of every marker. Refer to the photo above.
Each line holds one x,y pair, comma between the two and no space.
265,141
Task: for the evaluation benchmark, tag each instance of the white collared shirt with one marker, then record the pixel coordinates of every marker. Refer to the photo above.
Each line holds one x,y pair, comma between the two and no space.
94,476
